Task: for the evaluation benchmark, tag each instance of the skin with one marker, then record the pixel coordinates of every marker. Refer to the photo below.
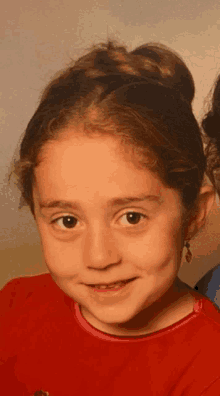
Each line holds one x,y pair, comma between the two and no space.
104,245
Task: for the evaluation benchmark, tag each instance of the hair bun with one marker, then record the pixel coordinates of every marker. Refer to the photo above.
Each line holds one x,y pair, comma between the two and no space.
173,70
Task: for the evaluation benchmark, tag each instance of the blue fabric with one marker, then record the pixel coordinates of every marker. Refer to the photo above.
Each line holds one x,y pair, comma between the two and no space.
210,284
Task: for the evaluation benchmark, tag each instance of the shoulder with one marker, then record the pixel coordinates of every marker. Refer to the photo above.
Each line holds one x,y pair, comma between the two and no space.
206,319
18,290
210,311
204,322
27,283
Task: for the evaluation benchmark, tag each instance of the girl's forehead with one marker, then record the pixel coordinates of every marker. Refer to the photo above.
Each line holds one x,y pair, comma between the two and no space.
95,163
88,147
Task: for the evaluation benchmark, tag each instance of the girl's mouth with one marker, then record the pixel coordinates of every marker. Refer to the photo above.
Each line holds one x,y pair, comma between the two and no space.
111,287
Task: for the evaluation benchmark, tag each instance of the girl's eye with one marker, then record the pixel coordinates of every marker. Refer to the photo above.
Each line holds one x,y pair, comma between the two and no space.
70,222
132,218
66,222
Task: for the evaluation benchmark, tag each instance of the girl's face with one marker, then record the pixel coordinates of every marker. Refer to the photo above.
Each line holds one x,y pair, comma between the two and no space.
103,220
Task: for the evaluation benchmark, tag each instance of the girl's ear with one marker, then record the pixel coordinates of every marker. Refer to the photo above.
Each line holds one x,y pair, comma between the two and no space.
198,218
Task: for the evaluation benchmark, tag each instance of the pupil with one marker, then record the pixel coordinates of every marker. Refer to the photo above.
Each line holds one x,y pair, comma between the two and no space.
133,218
69,221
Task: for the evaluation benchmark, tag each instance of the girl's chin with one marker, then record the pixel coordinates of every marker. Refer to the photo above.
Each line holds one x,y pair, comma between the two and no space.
108,320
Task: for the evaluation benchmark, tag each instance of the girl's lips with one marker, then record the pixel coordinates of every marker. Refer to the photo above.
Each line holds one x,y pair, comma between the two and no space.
109,293
112,283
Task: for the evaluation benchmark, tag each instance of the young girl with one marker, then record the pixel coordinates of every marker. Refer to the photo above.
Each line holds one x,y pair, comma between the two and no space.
112,168
210,283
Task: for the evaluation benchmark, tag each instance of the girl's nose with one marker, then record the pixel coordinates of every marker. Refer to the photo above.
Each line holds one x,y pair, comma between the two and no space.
101,249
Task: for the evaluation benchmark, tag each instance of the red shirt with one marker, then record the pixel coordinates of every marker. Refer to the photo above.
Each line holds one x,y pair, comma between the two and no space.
46,344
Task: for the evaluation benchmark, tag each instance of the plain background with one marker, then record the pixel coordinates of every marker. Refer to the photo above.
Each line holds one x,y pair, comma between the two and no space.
40,37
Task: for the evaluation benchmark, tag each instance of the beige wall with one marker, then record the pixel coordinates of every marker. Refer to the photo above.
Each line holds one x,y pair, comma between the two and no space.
38,38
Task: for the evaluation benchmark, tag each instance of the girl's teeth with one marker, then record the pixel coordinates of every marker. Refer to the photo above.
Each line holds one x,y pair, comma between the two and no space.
113,285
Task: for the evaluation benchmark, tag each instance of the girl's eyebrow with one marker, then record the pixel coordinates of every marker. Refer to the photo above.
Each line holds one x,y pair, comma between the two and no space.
62,204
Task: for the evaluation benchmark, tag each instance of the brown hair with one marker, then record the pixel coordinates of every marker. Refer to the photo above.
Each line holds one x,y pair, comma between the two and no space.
143,97
211,126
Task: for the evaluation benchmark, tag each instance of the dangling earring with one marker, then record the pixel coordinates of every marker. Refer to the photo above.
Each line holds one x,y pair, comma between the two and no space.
188,253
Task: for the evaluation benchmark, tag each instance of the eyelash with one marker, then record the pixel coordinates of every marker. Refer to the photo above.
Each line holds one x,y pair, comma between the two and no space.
55,221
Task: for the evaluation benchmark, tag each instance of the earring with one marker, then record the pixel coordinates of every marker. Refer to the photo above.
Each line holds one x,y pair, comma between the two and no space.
188,253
